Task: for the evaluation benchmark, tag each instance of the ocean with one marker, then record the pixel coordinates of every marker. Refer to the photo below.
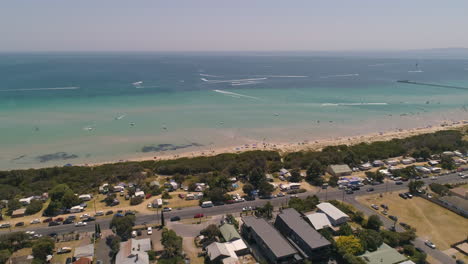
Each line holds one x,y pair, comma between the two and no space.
79,108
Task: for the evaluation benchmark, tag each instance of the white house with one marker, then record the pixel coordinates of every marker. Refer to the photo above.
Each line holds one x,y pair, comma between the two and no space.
407,161
76,209
27,200
319,220
393,162
335,215
140,194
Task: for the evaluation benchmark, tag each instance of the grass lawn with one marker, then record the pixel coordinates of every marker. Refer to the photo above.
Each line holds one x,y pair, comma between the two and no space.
61,258
431,221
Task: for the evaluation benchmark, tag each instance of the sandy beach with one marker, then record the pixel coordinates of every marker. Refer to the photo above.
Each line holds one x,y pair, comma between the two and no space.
316,145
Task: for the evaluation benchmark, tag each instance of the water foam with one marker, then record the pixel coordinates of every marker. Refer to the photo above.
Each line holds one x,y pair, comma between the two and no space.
236,95
416,71
351,104
41,89
341,75
231,81
209,75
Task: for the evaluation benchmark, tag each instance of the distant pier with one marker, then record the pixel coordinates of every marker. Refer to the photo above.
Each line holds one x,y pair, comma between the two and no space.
433,84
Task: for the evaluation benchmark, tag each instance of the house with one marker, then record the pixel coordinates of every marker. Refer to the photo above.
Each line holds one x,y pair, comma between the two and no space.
134,251
294,186
269,177
319,220
190,196
407,161
433,162
119,188
386,172
219,251
200,187
140,194
310,243
284,172
378,163
155,184
335,215
456,203
26,201
229,232
448,153
18,213
383,255
83,261
392,162
84,253
339,170
422,169
171,185
435,169
85,197
460,192
157,203
271,244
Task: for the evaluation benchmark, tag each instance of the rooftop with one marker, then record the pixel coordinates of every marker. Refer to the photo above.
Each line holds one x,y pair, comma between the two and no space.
294,220
456,201
331,210
270,236
216,249
229,232
341,168
133,251
319,220
383,255
84,251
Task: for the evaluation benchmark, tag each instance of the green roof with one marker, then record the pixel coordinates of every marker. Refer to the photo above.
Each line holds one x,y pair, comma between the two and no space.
229,232
383,255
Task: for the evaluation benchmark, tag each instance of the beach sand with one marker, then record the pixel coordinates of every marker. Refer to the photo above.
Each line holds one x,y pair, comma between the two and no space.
316,145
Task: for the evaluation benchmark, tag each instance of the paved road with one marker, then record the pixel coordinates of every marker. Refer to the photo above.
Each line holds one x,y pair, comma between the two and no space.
329,194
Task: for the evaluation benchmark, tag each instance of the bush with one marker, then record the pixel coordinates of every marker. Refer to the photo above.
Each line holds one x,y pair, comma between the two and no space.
34,207
166,195
136,200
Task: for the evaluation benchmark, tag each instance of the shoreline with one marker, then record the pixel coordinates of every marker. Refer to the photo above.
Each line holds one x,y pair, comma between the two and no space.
287,147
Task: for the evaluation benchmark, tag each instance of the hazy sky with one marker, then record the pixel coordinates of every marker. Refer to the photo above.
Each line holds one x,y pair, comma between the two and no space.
217,25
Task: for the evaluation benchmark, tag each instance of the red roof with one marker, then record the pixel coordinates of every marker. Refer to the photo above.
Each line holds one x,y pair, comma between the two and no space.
83,261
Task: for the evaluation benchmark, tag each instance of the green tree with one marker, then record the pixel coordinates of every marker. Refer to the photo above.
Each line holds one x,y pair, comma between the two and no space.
42,248
374,222
370,239
265,189
333,181
257,177
4,255
113,242
166,196
248,189
414,186
440,189
295,176
58,191
345,230
69,199
123,225
232,220
211,232
447,163
53,208
34,207
136,200
265,211
13,205
171,242
109,200
349,245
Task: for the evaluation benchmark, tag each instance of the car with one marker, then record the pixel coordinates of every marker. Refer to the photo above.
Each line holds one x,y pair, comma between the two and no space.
71,217
134,234
109,212
384,206
167,209
429,244
198,216
89,219
385,212
376,207
404,179
53,223
81,224
149,205
392,228
53,234
181,195
68,261
175,218
147,196
35,221
355,188
294,196
280,194
419,249
47,220
99,213
129,212
59,219
403,195
68,221
409,195
394,218
64,250
6,225
119,215
370,189
218,203
139,232
19,224
84,216
433,178
349,191
405,225
398,182
149,230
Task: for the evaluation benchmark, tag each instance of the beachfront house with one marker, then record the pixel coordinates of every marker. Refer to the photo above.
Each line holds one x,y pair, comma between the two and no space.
378,163
408,161
365,166
383,255
310,243
335,215
319,220
392,162
339,170
274,247
134,251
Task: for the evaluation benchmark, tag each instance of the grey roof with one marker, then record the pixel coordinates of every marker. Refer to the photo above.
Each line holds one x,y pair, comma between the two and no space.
229,232
84,251
294,221
270,236
134,251
341,168
456,201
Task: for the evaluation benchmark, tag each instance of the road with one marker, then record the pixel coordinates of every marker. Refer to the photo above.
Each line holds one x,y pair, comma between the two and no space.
328,194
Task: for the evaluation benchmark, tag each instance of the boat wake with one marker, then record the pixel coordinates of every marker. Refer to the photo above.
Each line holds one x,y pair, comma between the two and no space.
285,76
235,95
233,81
41,89
209,75
416,71
340,75
120,117
351,104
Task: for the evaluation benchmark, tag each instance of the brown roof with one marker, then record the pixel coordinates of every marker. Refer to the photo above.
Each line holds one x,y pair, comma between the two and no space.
83,261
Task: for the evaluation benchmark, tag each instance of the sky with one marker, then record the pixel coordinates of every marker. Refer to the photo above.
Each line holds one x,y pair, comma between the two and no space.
226,25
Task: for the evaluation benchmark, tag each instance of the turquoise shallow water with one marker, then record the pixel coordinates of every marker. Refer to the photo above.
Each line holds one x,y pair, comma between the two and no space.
93,108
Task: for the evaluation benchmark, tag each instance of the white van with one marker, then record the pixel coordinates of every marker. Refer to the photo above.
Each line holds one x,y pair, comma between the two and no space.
207,204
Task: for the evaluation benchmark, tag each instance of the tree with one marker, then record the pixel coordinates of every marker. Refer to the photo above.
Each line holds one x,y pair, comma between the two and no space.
4,255
135,200
315,170
123,225
69,199
211,232
34,207
414,186
109,200
333,181
374,222
216,194
114,244
295,176
370,239
248,189
232,220
171,242
166,196
265,189
439,189
447,163
345,230
257,177
349,245
42,248
53,208
58,191
375,176
265,211
13,205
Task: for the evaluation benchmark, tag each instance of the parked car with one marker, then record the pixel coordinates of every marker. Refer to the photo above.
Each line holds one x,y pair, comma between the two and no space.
181,195
403,195
405,225
147,196
89,219
429,244
384,206
59,219
167,209
109,212
47,220
68,221
385,212
394,218
433,178
349,191
198,216
149,231
280,194
99,213
398,182
175,218
53,223
370,189
64,250
81,224
35,221
376,207
409,195
19,224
